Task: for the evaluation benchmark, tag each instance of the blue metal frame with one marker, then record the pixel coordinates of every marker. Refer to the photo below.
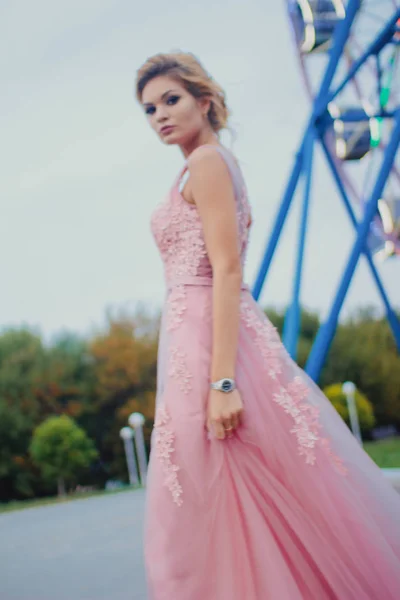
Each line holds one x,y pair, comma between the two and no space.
326,332
390,314
292,321
319,121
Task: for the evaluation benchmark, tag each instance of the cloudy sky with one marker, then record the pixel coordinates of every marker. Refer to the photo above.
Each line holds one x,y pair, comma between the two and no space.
82,172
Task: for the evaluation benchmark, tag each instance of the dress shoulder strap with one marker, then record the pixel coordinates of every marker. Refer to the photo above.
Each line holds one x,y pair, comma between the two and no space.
234,169
181,173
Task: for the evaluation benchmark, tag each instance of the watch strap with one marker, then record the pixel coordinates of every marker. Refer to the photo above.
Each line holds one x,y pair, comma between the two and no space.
226,384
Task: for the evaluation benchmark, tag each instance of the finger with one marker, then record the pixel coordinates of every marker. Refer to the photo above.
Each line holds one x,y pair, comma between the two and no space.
229,427
239,418
227,422
235,421
219,430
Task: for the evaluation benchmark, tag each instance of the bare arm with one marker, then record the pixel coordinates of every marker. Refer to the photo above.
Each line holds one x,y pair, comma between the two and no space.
213,193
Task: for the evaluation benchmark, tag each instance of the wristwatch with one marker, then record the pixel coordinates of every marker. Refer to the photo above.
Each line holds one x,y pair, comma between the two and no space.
224,385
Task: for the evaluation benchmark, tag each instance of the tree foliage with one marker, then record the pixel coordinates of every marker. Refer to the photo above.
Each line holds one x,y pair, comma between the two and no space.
62,450
100,379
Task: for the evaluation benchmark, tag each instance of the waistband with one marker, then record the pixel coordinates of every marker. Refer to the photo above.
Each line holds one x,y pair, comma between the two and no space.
197,280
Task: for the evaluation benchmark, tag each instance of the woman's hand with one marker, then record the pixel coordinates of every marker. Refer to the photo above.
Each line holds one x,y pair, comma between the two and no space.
224,413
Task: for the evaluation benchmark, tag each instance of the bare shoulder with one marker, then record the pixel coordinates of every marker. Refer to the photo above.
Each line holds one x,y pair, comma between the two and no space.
206,158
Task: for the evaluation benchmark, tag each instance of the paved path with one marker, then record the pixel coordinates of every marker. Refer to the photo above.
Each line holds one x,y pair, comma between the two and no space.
81,550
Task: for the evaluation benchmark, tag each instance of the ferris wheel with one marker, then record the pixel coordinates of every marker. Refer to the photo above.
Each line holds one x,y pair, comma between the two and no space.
349,58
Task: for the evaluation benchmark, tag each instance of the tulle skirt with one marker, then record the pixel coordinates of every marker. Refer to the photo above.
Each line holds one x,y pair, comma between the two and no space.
289,508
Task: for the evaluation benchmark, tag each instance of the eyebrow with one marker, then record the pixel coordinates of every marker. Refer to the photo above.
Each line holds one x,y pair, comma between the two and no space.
162,97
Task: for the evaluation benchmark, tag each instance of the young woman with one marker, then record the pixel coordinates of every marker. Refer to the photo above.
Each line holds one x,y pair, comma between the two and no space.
257,490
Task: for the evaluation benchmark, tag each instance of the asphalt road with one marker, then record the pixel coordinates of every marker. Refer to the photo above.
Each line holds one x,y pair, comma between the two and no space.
89,549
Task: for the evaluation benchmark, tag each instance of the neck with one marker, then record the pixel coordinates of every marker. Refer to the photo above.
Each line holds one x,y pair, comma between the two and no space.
204,137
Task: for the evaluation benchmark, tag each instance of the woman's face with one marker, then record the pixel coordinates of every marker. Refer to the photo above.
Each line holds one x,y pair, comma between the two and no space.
174,114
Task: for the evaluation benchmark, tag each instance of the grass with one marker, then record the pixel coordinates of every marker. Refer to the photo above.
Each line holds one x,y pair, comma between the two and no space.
35,502
386,453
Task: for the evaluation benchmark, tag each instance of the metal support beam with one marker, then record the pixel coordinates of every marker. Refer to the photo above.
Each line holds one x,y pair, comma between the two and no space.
390,313
278,225
319,121
326,332
340,37
339,40
292,320
376,46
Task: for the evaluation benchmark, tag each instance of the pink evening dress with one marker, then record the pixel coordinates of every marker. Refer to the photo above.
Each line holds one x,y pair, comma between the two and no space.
290,507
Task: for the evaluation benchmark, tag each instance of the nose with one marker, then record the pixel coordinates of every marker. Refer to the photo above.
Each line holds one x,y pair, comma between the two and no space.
161,114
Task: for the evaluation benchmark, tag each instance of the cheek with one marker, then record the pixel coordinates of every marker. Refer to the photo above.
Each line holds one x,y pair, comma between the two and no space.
188,114
152,122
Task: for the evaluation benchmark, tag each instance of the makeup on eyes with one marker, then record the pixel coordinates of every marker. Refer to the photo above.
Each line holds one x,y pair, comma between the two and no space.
174,97
149,106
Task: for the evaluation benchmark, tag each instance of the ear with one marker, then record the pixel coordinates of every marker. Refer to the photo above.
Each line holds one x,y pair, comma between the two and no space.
204,104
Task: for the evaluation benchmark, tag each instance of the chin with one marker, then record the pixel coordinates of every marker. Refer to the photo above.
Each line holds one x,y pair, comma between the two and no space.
172,139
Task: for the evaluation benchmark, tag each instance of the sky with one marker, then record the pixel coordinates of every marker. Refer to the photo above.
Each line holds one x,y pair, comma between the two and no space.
82,171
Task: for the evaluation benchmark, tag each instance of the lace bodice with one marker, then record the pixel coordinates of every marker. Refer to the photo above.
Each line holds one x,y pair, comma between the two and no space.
178,232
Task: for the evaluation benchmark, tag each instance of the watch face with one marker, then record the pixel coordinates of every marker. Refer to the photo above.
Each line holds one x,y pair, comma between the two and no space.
226,385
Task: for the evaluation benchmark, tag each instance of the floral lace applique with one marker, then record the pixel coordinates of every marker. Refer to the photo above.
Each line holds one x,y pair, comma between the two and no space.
176,306
267,339
306,419
305,416
164,448
244,213
179,370
244,218
292,397
178,231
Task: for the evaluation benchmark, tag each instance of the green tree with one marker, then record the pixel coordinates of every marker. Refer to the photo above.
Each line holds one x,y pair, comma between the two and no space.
16,473
36,381
364,407
21,352
62,450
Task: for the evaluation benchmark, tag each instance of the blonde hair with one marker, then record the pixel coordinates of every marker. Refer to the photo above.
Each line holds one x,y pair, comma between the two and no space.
187,69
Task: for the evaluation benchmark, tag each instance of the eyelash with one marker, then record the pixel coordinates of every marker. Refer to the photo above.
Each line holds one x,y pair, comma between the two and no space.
174,98
151,108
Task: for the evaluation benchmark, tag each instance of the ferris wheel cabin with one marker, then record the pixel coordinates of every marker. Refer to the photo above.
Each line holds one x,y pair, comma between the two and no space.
352,132
348,53
315,21
389,214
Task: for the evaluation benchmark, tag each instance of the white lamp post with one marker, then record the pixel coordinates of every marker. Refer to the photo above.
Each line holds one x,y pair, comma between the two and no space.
349,390
126,435
136,421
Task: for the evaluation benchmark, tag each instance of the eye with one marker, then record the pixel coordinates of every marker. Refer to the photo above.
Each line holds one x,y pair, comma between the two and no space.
150,110
173,99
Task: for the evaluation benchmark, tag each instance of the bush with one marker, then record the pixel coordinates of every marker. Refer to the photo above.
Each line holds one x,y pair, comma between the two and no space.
364,407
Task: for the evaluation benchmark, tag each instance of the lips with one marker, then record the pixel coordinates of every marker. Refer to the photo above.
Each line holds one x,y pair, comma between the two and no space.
167,129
